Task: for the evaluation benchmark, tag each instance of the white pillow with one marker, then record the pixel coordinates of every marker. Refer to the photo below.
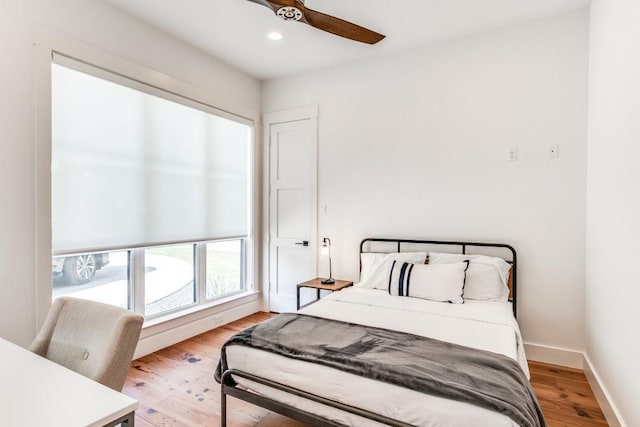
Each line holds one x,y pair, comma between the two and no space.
487,276
375,267
435,282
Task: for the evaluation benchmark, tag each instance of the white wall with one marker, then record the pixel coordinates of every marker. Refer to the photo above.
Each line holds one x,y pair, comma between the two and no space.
613,203
99,25
416,144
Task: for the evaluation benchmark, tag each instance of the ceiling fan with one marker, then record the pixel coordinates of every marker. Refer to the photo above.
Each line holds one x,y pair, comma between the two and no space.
295,10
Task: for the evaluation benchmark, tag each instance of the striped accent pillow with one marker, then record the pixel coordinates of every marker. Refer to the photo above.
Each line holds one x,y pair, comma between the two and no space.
437,282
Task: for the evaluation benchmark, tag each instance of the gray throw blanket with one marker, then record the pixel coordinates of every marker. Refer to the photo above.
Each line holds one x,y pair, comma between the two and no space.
430,366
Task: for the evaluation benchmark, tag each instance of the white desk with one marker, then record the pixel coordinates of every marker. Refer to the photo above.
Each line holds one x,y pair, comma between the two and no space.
35,392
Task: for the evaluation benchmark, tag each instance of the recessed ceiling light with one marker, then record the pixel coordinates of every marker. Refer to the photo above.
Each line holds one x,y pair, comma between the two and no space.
275,35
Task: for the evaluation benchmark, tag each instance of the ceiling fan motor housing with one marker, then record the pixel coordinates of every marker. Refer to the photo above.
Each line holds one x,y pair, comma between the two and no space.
289,13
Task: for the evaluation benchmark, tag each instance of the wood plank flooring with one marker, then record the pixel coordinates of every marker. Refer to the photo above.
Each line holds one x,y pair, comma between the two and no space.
565,396
175,388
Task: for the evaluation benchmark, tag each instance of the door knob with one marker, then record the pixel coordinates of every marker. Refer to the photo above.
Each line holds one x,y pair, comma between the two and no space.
303,243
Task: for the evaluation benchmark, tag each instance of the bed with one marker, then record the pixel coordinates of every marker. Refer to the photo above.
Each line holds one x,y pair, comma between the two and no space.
320,393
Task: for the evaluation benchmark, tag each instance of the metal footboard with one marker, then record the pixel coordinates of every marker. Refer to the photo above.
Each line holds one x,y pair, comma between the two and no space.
227,389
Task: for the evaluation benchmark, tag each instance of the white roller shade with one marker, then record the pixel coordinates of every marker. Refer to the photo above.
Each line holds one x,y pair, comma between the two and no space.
130,168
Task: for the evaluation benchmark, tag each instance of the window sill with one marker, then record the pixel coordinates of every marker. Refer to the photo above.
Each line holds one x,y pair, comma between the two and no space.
197,312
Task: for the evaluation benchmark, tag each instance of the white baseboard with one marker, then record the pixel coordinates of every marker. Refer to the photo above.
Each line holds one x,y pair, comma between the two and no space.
191,325
554,355
610,411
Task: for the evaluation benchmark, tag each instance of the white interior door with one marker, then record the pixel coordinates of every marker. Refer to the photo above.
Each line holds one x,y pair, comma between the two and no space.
292,204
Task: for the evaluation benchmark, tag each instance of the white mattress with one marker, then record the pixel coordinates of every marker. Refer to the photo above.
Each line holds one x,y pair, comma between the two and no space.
485,325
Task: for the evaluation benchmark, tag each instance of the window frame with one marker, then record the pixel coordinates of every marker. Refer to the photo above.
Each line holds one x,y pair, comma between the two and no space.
136,275
47,44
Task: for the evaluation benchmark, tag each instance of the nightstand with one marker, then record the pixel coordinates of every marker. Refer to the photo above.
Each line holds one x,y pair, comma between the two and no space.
319,286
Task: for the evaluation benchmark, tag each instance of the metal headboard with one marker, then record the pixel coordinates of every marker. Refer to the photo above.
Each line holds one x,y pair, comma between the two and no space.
462,247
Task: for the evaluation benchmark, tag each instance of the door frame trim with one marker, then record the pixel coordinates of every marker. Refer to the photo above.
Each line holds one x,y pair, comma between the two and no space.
270,118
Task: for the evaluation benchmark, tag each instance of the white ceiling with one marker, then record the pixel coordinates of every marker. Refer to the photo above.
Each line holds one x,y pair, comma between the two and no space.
235,31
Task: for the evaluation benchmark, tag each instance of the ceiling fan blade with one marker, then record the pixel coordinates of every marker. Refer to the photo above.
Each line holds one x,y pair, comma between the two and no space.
340,27
274,5
266,3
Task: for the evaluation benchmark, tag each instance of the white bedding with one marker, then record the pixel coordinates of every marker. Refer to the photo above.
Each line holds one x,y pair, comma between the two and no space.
485,325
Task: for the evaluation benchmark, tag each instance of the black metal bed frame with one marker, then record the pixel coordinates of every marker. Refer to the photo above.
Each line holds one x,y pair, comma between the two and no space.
229,388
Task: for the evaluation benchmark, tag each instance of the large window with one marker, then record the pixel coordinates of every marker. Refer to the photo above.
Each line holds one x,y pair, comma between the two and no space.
150,194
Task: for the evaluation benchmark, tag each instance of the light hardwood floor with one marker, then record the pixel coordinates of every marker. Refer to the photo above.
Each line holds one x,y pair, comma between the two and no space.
175,387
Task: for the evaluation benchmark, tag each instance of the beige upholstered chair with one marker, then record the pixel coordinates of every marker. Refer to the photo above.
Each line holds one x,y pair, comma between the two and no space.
94,339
